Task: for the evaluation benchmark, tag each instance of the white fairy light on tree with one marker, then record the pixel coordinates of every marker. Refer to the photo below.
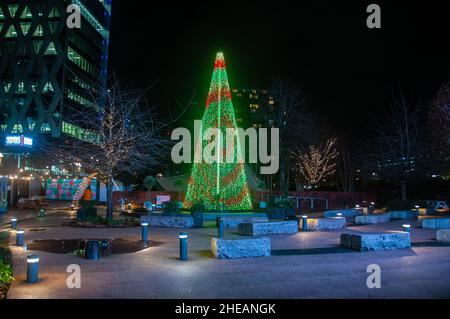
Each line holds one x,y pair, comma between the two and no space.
317,162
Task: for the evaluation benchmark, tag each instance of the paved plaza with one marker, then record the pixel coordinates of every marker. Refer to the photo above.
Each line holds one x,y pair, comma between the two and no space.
302,265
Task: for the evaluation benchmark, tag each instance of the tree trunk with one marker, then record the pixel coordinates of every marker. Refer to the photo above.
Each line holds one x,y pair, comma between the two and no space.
403,189
109,201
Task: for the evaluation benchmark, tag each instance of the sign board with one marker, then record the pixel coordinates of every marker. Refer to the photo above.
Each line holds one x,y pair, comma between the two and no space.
161,199
18,140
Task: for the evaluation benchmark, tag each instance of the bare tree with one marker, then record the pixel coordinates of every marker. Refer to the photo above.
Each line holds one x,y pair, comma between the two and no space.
118,135
396,143
317,162
439,129
290,115
346,167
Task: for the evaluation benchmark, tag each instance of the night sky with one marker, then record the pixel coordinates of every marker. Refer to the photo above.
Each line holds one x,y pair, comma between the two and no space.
347,70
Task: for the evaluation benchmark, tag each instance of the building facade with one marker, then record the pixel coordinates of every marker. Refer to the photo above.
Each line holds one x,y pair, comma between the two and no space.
47,67
253,107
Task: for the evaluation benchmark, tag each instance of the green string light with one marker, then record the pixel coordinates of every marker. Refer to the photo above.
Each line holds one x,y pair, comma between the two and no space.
219,184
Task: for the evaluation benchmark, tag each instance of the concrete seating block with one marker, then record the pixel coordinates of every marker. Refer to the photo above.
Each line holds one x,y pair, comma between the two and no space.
346,240
402,214
443,235
168,221
233,222
268,228
372,219
420,218
213,216
324,223
376,241
436,223
344,212
243,247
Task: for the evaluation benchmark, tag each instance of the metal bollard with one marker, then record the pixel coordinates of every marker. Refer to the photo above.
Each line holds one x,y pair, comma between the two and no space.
144,232
371,208
92,249
13,223
41,212
220,227
304,223
407,228
19,237
183,246
32,268
417,209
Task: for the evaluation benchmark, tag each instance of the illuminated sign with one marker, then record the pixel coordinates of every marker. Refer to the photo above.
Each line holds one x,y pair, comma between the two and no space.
18,140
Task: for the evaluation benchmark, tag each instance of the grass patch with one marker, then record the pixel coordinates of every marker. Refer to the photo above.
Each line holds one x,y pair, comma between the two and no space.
6,271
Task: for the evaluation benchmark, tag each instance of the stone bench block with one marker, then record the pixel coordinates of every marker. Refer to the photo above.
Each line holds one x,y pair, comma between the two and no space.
232,248
372,219
233,222
436,223
376,241
443,235
325,223
402,214
344,212
213,216
268,228
420,218
168,221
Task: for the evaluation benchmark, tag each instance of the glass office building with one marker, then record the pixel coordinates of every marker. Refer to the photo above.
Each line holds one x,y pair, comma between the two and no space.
48,67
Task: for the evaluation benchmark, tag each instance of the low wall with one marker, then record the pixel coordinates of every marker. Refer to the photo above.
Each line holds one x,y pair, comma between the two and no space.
139,197
336,200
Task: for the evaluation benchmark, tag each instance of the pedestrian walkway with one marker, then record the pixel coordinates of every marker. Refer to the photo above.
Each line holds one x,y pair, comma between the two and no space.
26,214
303,265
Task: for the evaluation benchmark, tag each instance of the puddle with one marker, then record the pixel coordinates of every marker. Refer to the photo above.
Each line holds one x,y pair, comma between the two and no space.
70,246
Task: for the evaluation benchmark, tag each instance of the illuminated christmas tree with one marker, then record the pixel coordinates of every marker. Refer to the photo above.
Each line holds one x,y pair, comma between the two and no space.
219,183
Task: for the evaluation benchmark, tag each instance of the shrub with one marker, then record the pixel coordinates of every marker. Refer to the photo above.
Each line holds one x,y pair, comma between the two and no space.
96,220
171,206
281,203
198,207
6,273
88,206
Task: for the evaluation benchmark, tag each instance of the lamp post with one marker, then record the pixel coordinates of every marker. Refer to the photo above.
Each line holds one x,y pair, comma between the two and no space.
19,237
371,208
13,223
220,227
32,268
144,232
183,246
304,223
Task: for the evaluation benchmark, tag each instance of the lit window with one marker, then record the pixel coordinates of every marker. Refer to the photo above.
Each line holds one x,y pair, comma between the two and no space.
39,32
11,33
25,27
26,13
54,13
51,50
13,9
